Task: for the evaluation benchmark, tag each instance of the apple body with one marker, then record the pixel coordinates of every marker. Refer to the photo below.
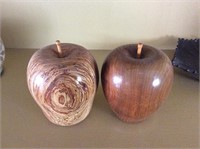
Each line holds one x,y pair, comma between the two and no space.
2,55
63,87
135,88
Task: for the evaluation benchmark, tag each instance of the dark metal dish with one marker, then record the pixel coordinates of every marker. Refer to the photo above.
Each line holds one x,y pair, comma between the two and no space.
186,56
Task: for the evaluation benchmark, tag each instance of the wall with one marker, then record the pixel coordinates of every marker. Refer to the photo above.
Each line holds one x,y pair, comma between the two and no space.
98,24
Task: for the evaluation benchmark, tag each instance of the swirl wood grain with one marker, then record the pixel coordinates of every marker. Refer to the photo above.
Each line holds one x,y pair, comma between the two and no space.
64,87
136,87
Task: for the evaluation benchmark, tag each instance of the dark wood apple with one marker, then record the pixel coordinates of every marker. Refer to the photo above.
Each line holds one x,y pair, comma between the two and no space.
135,84
63,79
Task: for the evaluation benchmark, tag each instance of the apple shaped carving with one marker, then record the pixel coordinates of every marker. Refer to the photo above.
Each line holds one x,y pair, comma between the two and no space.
63,79
135,80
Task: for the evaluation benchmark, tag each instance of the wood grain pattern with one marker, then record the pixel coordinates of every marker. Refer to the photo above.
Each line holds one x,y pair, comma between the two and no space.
135,88
64,87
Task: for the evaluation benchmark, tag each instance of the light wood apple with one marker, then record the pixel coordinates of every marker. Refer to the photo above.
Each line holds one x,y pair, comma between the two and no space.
63,78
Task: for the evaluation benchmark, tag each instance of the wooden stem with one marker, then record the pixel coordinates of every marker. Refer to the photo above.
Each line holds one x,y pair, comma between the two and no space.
58,47
139,50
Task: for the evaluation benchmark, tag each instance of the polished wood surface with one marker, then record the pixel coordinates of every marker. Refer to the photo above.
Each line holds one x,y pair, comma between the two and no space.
63,84
135,87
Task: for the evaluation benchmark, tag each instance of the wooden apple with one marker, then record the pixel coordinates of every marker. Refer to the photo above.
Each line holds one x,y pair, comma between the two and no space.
63,79
136,80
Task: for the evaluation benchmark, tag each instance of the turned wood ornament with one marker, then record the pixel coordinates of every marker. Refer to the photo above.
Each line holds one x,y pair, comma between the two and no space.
63,79
136,78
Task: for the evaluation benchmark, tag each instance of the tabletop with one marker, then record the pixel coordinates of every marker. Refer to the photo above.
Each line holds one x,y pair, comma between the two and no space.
23,125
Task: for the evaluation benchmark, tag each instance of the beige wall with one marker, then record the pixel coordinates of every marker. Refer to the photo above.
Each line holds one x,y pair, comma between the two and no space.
98,24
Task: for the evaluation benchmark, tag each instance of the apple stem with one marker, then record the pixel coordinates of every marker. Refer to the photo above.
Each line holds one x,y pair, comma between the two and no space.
58,47
139,50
